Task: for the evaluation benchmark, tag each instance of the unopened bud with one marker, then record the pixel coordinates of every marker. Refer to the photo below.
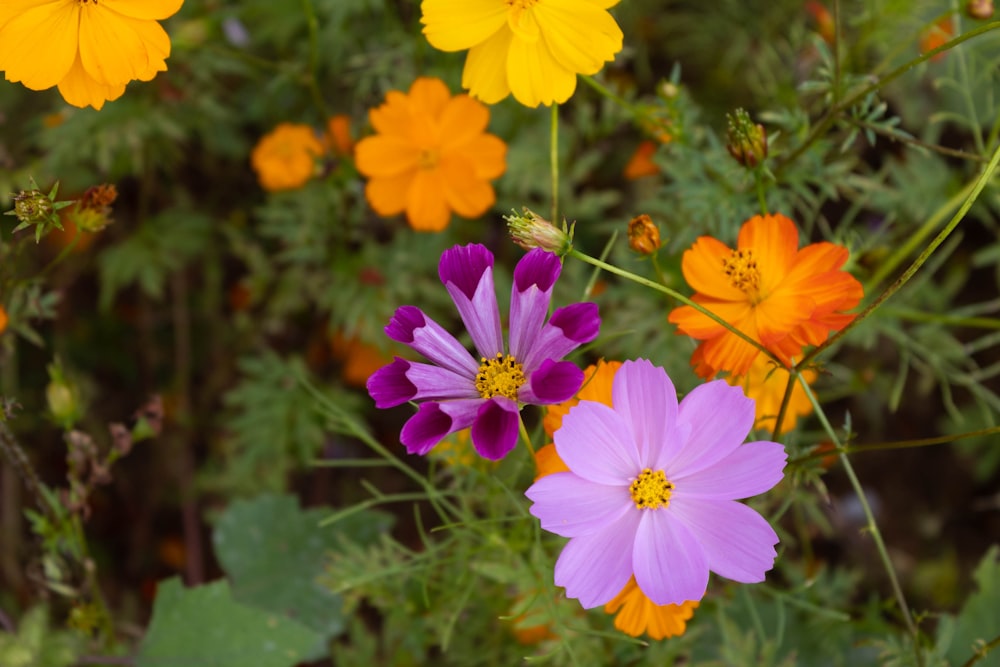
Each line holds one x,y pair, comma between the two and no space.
530,230
747,141
92,212
643,235
63,398
979,9
34,207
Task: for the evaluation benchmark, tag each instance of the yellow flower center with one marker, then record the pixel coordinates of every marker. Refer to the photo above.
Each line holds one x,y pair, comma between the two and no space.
87,2
651,490
741,267
428,159
501,376
520,20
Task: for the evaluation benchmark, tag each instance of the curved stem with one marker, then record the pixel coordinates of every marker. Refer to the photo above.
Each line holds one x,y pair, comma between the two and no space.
896,444
554,162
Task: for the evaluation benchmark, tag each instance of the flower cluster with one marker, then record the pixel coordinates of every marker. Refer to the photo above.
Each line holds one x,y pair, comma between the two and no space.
91,50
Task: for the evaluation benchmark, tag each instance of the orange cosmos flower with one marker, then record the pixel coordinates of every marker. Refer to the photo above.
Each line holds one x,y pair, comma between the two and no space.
431,156
765,383
285,158
641,163
359,359
90,49
823,18
778,295
935,36
637,614
338,134
4,319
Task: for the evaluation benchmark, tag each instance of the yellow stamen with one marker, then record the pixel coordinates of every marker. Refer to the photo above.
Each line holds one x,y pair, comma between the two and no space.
651,490
741,267
501,376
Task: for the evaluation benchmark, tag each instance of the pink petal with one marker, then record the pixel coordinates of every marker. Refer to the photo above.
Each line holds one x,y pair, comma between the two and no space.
596,444
719,418
753,468
594,568
738,542
645,397
571,506
670,565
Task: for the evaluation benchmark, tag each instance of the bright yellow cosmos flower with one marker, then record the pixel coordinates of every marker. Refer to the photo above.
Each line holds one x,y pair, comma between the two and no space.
431,156
636,613
285,158
90,49
533,48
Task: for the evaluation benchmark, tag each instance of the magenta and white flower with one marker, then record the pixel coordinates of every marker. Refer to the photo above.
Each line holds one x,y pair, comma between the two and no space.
457,391
652,490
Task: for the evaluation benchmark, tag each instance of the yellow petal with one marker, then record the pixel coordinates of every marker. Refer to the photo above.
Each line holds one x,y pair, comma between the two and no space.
485,73
116,49
78,89
38,46
155,10
535,76
581,36
455,25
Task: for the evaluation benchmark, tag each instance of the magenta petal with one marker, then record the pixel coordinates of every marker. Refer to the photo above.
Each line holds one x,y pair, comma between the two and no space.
434,421
596,444
464,266
737,541
645,397
467,274
494,431
594,568
567,329
719,418
389,385
409,325
569,505
529,300
670,565
434,383
753,468
553,382
538,268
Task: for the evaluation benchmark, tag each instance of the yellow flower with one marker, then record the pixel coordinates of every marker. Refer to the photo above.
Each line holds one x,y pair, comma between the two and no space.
431,156
90,49
637,614
765,383
285,158
533,48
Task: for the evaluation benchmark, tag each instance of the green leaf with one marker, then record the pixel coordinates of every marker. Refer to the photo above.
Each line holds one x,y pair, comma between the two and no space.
979,620
36,645
274,552
205,626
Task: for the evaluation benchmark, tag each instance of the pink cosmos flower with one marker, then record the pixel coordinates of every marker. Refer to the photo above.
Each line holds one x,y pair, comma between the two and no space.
457,391
652,491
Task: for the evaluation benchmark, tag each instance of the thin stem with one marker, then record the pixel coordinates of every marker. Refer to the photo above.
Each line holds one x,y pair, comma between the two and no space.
18,460
896,444
313,84
982,652
913,141
610,268
981,182
836,51
758,177
869,516
525,436
554,162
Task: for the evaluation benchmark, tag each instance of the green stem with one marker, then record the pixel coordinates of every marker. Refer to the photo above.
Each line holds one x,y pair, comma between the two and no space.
761,199
554,162
869,516
981,182
896,444
525,436
610,268
982,652
313,84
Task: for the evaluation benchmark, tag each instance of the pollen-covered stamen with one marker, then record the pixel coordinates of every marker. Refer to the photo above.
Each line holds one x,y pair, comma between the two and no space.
651,490
501,376
741,267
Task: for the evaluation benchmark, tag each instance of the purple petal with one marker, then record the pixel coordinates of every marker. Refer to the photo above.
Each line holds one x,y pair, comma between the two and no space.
494,431
737,541
670,565
719,418
569,327
553,382
389,385
570,506
596,444
434,383
594,568
753,468
645,397
531,293
468,277
464,266
409,325
434,421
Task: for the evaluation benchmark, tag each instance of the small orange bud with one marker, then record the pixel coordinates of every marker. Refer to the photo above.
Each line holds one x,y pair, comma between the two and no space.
643,235
979,9
338,135
747,140
935,36
3,319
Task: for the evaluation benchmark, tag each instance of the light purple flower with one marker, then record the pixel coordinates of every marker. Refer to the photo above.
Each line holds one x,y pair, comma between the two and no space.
653,488
457,391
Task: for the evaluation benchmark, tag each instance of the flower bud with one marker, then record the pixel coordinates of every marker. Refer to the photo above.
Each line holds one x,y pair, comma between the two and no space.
643,235
92,212
3,319
979,9
63,399
747,141
530,230
34,207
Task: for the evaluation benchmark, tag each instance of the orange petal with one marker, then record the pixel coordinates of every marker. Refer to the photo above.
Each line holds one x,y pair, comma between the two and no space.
774,241
426,207
702,265
388,195
487,154
385,155
80,90
465,119
697,325
429,96
467,195
144,9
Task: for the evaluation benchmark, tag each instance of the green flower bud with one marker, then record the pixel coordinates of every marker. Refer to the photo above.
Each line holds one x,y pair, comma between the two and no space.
530,230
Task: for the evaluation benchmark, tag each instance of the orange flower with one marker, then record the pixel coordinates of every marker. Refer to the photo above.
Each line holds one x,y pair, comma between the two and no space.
823,18
935,36
431,156
338,134
359,358
3,320
638,614
778,295
765,383
285,158
641,163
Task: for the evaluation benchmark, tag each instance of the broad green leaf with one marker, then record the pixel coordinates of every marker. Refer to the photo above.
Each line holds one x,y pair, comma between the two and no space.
979,620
